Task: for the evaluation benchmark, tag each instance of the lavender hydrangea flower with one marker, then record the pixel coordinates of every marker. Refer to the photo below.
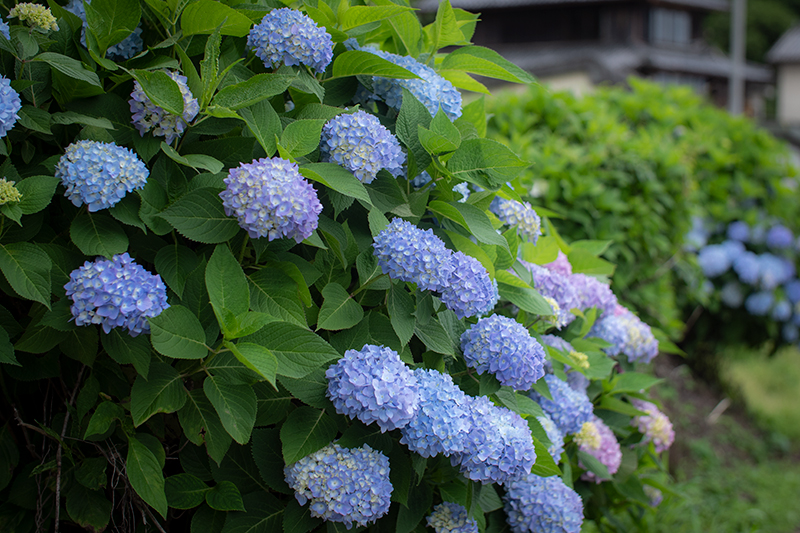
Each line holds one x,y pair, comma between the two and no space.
99,174
442,420
697,237
738,231
536,504
561,265
125,49
148,116
408,253
373,385
469,290
362,145
522,215
759,303
569,409
607,451
450,517
732,295
558,287
503,347
271,199
714,260
10,104
779,237
555,436
116,293
655,425
578,381
747,267
593,293
290,37
343,485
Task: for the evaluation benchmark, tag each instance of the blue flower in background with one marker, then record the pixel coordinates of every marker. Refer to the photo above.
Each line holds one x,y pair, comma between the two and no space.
714,260
782,311
606,449
462,189
521,215
422,179
125,49
759,303
758,234
732,295
790,333
148,116
774,270
10,104
116,293
792,290
569,408
270,198
555,436
734,249
557,342
469,290
738,231
450,517
779,237
348,485
536,504
99,174
577,381
748,267
290,37
697,237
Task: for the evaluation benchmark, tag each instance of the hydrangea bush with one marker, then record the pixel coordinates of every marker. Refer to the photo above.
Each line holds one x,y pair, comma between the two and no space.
229,305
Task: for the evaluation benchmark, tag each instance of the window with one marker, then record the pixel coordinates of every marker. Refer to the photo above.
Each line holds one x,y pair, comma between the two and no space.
669,26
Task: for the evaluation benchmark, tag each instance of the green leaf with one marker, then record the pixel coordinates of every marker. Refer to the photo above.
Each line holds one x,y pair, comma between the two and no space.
256,358
161,392
265,515
199,216
204,16
88,508
236,406
298,350
359,15
174,263
301,137
264,124
413,114
98,235
584,262
544,251
69,67
594,465
466,246
7,351
145,475
125,350
225,497
337,178
595,248
273,292
471,218
249,92
226,282
435,337
35,119
442,136
201,423
305,431
401,312
544,466
26,267
209,66
195,161
185,491
112,21
162,90
92,473
339,310
525,298
360,63
485,162
633,382
484,62
71,117
177,332
297,518
268,458
103,418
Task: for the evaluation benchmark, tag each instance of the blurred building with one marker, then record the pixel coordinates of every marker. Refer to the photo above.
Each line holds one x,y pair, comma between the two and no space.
578,44
785,55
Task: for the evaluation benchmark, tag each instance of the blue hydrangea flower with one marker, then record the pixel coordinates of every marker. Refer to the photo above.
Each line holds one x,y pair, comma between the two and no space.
450,517
99,174
147,116
116,293
362,145
779,237
758,234
373,385
503,347
290,37
593,293
732,295
569,408
422,179
733,248
4,29
790,333
607,451
714,260
462,189
774,270
627,334
552,284
469,290
442,421
408,253
536,504
748,267
738,231
555,436
10,104
522,215
348,485
759,303
782,311
125,49
792,290
612,329
498,447
698,235
557,342
271,199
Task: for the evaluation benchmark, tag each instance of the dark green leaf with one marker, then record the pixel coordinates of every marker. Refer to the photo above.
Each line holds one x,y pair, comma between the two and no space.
35,119
401,312
103,418
337,178
145,475
435,337
88,508
484,161
273,292
112,21
177,332
301,137
92,473
235,404
7,350
360,63
299,351
525,298
339,310
185,491
256,358
125,350
199,216
264,124
249,92
27,269
268,458
201,424
225,497
98,235
161,392
162,90
174,263
69,67
226,282
471,218
305,431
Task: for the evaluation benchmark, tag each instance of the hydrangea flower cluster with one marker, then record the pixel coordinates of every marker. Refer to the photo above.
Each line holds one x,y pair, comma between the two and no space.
561,265
8,192
759,303
100,174
125,49
607,451
37,16
503,347
655,425
779,237
348,485
290,37
116,293
714,260
557,342
569,408
362,145
593,293
588,437
627,334
748,267
450,517
536,504
10,104
551,284
738,231
578,381
148,116
373,385
519,214
271,199
555,436
469,290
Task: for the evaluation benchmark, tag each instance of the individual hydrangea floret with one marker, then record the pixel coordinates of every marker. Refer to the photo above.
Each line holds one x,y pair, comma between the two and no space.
442,420
125,49
408,253
469,290
593,293
569,408
362,145
714,260
627,334
148,116
100,174
759,303
561,265
271,199
554,435
450,517
503,347
748,267
116,293
536,504
779,237
348,485
560,288
607,451
732,295
8,192
373,385
738,231
290,37
37,16
655,425
10,104
519,214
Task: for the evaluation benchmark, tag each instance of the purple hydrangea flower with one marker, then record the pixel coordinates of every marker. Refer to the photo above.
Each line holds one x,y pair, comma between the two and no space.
450,517
373,385
714,260
607,451
348,485
290,37
469,290
738,231
759,303
747,267
654,495
148,116
569,408
271,199
561,265
779,237
593,293
116,293
503,347
99,174
522,215
655,425
125,49
732,295
555,436
560,288
536,504
442,421
362,145
577,381
10,104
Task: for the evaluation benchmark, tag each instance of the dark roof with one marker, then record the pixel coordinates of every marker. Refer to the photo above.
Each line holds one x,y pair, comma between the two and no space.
475,5
787,49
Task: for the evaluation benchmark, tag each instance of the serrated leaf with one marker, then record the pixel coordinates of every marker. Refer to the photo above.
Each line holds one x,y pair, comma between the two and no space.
88,508
174,263
112,21
201,423
485,162
185,491
69,67
401,312
226,282
298,350
161,392
225,497
204,16
359,15
337,178
256,358
98,235
248,92
195,161
199,216
36,191
360,63
305,431
435,337
125,349
471,218
102,418
162,90
264,124
177,333
339,310
272,292
26,267
526,299
236,406
484,62
144,473
302,137
7,349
